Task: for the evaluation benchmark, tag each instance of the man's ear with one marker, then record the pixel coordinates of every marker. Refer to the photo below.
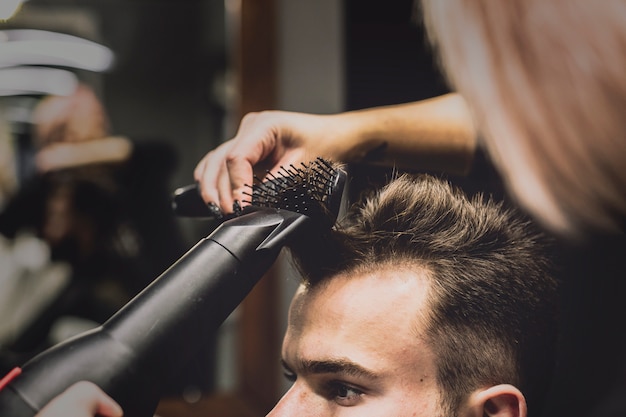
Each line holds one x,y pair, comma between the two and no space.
502,400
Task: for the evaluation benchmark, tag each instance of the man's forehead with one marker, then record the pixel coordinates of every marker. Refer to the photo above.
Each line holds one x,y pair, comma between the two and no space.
371,320
408,285
386,303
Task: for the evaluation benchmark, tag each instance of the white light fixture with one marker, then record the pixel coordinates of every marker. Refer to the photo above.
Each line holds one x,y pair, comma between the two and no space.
41,47
36,81
8,8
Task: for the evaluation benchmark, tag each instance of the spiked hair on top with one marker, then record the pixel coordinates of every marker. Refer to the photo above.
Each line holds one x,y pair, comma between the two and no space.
492,315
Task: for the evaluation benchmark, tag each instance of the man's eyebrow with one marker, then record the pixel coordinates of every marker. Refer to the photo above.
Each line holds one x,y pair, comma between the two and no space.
333,366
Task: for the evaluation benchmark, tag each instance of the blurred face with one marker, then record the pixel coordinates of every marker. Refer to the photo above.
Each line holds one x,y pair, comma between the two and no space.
354,348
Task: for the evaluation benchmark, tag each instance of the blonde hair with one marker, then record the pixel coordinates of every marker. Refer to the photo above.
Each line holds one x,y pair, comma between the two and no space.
546,82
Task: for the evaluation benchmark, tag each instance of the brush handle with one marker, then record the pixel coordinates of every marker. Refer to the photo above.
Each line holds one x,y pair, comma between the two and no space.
187,202
150,339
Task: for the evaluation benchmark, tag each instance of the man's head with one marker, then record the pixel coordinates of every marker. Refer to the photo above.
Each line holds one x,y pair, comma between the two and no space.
423,303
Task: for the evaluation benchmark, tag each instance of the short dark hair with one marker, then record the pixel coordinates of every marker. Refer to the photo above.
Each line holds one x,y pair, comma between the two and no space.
492,319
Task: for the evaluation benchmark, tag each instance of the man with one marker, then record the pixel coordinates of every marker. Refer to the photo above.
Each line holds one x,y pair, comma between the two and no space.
422,302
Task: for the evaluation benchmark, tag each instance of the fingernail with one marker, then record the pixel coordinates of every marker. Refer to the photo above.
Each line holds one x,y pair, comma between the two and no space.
116,409
237,208
215,210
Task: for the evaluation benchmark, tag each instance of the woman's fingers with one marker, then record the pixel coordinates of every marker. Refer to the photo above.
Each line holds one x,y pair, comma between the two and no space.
83,399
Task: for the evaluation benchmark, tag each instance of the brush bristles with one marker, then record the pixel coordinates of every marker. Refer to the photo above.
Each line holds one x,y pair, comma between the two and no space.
312,189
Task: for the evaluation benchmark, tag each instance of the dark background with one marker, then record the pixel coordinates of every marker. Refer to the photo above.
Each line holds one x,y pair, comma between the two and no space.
168,84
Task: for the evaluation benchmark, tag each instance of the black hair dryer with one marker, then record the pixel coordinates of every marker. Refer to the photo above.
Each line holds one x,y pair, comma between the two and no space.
133,354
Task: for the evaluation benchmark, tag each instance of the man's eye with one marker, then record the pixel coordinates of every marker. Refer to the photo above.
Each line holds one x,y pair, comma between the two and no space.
345,395
290,376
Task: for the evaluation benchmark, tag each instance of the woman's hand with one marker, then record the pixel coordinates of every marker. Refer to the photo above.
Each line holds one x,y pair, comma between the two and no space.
265,141
433,134
83,399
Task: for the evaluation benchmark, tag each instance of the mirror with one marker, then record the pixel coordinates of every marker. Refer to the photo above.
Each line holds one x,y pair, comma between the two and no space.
167,78
160,70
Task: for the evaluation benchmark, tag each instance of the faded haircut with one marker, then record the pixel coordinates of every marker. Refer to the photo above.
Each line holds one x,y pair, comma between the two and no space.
492,317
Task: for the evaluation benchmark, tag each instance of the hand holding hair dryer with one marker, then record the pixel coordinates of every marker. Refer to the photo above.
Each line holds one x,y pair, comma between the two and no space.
149,340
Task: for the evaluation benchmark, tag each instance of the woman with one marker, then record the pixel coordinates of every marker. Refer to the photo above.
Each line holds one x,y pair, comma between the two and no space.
539,84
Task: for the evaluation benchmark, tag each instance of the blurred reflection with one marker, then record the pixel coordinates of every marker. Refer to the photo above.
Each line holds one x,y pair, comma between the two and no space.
100,205
36,80
94,147
9,7
43,47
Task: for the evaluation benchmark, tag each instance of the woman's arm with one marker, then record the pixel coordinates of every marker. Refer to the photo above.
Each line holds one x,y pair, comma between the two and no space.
434,134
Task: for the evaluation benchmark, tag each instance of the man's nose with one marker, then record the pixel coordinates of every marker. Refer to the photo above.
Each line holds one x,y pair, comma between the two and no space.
299,401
